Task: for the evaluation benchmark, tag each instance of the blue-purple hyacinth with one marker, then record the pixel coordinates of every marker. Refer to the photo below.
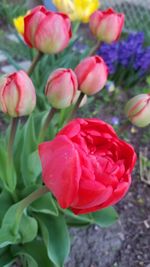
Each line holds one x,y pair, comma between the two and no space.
130,53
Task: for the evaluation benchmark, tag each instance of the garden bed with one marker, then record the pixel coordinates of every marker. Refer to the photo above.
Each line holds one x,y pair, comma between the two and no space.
126,243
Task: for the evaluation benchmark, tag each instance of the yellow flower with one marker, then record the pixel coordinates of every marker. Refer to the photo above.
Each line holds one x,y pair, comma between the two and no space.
19,23
77,9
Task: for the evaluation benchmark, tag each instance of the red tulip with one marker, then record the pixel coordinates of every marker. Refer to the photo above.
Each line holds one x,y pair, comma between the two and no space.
87,167
92,75
17,94
107,25
47,31
61,88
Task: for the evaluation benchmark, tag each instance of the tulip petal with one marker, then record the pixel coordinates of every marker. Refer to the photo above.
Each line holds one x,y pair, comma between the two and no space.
3,82
27,96
52,35
71,130
11,95
91,193
32,21
117,195
61,169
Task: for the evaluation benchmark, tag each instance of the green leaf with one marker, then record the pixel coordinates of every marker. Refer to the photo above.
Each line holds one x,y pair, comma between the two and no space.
77,220
45,204
29,146
28,228
56,238
18,145
9,264
7,171
17,226
105,217
12,61
34,253
5,203
7,238
27,259
34,164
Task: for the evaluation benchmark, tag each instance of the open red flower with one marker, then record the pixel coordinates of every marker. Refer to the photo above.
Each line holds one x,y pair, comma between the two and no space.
87,167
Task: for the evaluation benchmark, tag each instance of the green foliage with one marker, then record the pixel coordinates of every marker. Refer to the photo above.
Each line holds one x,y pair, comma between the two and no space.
56,238
8,10
34,253
103,218
7,170
45,205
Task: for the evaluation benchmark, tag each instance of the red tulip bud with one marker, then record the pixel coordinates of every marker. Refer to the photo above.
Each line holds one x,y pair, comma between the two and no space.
107,25
47,31
92,75
61,88
138,110
17,94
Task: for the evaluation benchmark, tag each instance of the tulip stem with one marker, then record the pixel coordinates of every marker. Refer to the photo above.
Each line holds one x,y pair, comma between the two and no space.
94,49
36,59
76,106
33,196
46,124
24,203
13,129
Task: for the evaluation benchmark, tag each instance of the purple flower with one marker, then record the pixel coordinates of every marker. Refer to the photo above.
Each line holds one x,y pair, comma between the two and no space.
129,53
115,120
110,55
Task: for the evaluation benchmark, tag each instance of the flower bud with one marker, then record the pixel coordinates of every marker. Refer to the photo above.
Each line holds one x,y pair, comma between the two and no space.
61,88
47,31
138,110
17,94
84,100
92,75
107,25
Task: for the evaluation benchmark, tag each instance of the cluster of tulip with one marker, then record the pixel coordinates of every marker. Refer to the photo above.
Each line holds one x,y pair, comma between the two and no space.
50,32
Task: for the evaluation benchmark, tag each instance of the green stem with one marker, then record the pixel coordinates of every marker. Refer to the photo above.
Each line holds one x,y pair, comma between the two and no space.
24,204
33,196
94,49
76,26
34,62
46,124
76,106
12,136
